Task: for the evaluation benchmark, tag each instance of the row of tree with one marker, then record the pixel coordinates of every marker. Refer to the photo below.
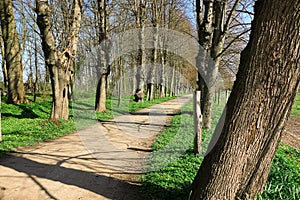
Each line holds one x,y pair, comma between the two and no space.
62,33
246,140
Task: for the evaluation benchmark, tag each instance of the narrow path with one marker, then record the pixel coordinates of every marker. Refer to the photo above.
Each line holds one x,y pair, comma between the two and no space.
291,135
99,162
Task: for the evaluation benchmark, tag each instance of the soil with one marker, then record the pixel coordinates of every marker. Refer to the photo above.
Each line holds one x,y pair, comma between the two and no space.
291,135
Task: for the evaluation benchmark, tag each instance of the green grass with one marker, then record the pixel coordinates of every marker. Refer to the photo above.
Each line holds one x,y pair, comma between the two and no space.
284,177
28,124
173,181
296,107
171,177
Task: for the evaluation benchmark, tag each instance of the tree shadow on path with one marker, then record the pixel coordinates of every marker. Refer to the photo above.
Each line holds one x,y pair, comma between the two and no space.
97,183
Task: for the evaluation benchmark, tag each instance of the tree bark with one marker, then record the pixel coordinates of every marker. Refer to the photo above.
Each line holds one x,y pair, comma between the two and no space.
258,107
197,123
4,69
162,81
212,32
16,92
152,70
35,86
101,93
140,7
60,64
103,69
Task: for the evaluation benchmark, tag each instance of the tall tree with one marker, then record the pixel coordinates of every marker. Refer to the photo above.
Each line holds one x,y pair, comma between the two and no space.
104,69
16,92
213,28
140,14
3,64
154,56
258,107
60,61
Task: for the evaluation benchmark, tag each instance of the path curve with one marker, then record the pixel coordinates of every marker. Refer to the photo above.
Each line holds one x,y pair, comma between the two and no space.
99,162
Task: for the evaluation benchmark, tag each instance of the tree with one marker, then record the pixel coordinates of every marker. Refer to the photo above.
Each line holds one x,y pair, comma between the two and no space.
258,107
12,54
3,64
212,31
60,61
104,69
140,14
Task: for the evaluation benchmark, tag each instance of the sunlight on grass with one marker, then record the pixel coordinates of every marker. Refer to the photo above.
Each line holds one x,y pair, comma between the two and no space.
174,180
28,124
296,107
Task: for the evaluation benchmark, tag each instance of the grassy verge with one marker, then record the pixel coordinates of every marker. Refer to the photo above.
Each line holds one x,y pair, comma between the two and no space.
173,181
284,177
296,107
27,124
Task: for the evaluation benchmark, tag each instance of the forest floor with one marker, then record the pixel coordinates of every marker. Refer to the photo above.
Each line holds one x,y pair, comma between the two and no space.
102,161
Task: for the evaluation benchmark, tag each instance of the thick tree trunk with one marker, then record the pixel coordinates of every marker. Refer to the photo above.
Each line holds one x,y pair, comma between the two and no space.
60,101
150,89
212,31
60,64
206,106
101,94
16,92
204,10
103,69
140,75
258,106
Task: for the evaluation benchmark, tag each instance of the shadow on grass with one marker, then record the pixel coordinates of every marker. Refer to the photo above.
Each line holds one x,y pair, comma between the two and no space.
153,191
26,113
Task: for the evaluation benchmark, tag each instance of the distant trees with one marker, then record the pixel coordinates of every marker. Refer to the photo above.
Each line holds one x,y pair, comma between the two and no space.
12,66
156,72
149,75
258,107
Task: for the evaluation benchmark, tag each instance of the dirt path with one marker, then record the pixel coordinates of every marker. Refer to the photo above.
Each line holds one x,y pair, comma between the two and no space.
99,162
291,134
